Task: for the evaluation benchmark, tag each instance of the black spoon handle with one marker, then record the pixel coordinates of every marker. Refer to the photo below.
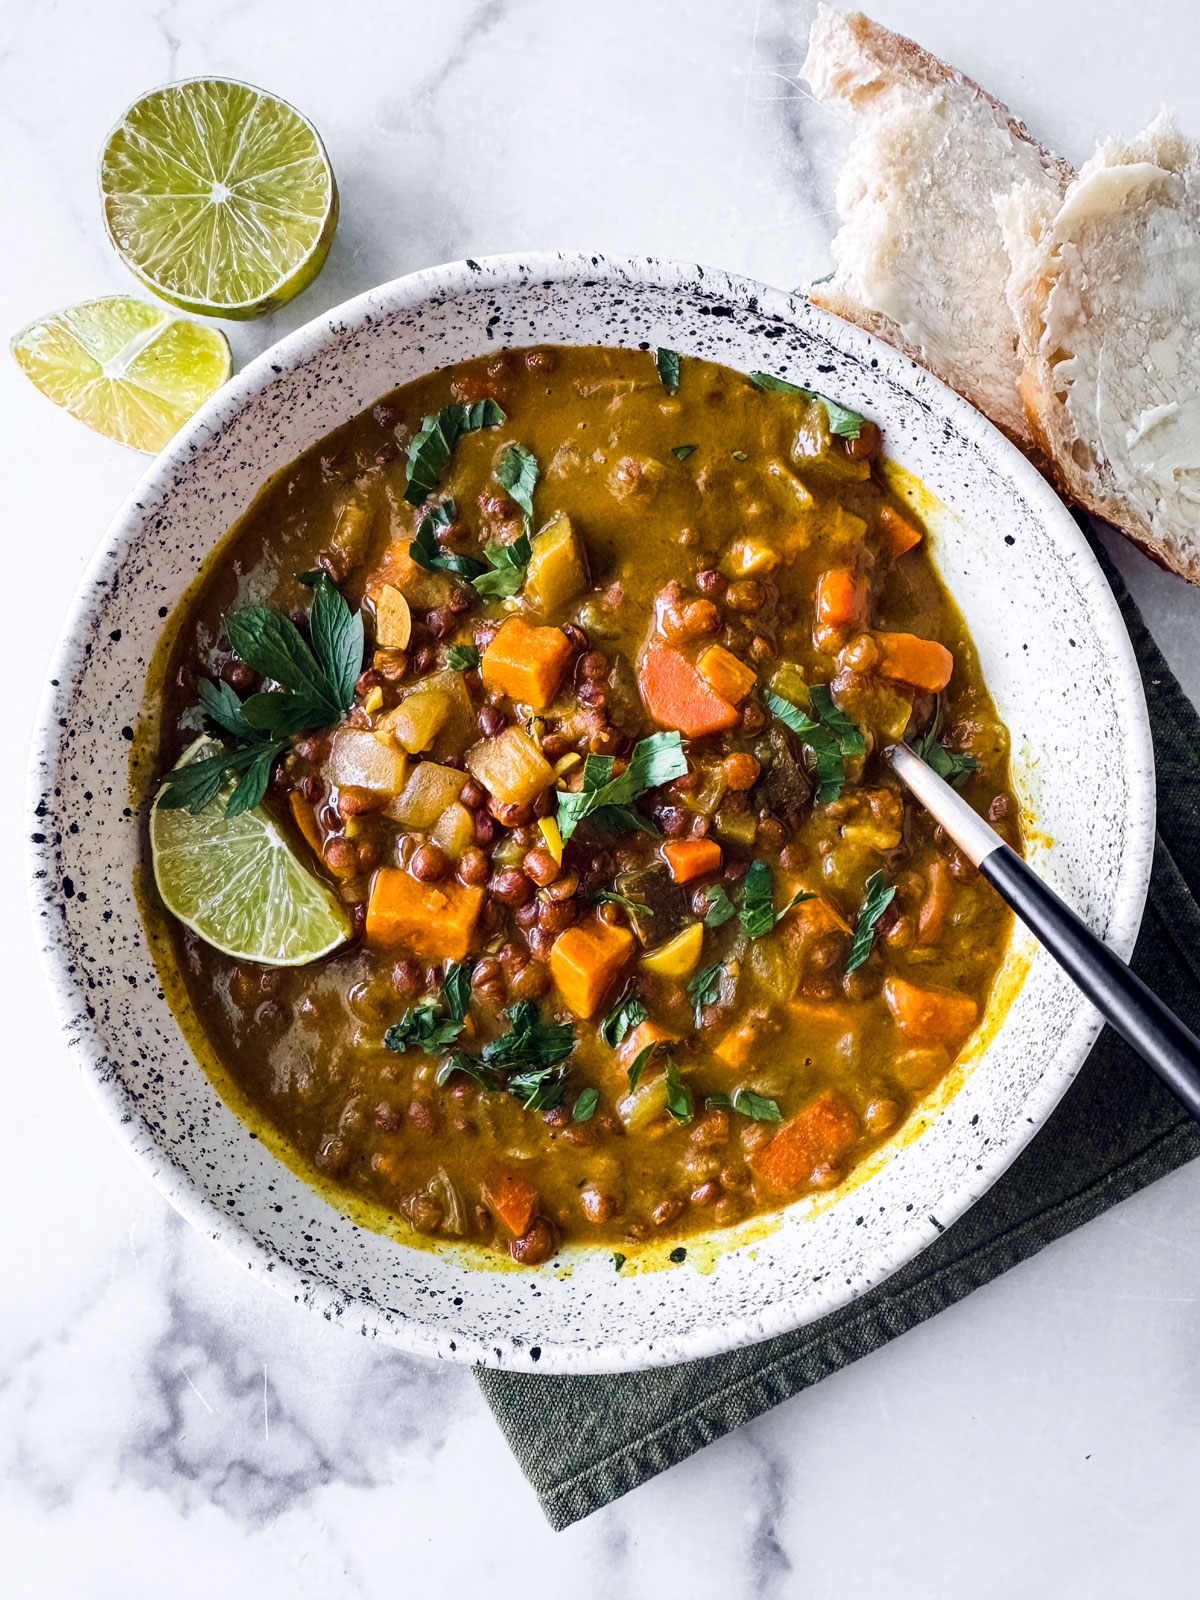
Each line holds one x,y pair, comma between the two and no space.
1164,1042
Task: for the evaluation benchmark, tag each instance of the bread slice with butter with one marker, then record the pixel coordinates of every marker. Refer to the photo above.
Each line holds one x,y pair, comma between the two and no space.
1066,308
1106,297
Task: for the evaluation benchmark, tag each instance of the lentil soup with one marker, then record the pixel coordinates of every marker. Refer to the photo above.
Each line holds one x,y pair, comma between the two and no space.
643,936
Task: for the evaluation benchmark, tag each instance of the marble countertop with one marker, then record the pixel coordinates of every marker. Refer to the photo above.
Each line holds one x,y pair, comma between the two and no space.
166,1423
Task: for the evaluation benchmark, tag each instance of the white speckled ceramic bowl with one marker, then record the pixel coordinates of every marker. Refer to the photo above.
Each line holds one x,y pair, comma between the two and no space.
1054,652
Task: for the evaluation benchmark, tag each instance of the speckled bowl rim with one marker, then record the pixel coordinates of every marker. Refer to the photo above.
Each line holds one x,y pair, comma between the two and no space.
68,660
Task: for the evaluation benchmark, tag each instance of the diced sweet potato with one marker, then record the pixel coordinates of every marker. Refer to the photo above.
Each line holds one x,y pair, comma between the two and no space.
898,532
737,1046
433,920
525,662
677,695
586,960
421,589
511,767
841,598
930,1015
820,1133
731,678
636,1041
921,663
511,1199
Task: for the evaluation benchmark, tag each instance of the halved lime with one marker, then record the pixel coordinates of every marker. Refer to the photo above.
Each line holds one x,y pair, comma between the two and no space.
129,370
237,882
219,197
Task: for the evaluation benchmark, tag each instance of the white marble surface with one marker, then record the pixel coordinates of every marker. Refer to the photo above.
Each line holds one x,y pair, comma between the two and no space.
166,1425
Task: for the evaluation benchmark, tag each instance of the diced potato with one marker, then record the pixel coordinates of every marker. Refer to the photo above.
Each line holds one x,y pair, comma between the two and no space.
736,827
459,727
558,568
747,556
454,830
416,722
359,760
646,1103
511,767
679,957
429,791
393,619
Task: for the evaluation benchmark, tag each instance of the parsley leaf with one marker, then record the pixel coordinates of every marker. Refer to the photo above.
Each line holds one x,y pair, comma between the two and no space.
956,766
679,1095
222,709
517,473
705,988
428,553
468,1065
435,439
829,738
611,897
667,362
720,907
843,422
758,913
529,1043
463,657
585,1105
682,451
618,1260
456,988
605,800
755,1106
622,1019
507,574
877,896
434,1024
639,1061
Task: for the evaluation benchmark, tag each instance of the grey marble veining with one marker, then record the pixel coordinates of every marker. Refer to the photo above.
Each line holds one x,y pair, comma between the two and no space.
169,1425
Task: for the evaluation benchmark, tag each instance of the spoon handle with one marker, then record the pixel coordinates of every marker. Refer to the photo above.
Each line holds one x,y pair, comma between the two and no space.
1131,1009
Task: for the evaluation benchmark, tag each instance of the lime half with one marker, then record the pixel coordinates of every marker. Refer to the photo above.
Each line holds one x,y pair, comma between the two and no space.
219,197
129,370
238,883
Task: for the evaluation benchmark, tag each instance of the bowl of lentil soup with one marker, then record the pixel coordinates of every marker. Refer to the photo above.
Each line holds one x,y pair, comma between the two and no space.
550,616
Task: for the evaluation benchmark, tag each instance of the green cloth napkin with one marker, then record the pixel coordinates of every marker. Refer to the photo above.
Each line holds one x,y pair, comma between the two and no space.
584,1441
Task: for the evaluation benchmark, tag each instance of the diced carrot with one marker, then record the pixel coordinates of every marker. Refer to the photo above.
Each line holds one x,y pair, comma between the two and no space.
305,819
932,915
899,534
930,1016
734,1049
841,598
830,1014
731,678
636,1041
526,662
434,920
586,961
691,858
677,695
821,1132
921,663
512,1199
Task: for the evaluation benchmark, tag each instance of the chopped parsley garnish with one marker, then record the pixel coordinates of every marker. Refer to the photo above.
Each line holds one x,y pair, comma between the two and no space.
682,451
618,1260
517,473
316,689
679,1095
529,1043
705,988
585,1106
605,801
622,1019
843,422
501,575
758,912
639,1061
435,1023
667,362
830,736
956,766
463,657
877,897
755,1106
434,441
721,908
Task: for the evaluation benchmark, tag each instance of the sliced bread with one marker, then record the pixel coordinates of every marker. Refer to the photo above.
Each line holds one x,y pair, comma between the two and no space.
921,258
1106,297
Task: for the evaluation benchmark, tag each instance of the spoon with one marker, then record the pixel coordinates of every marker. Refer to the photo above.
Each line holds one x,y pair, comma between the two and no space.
1132,1010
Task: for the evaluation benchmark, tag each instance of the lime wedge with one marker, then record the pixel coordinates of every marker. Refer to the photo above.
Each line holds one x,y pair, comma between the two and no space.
219,197
129,370
237,882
